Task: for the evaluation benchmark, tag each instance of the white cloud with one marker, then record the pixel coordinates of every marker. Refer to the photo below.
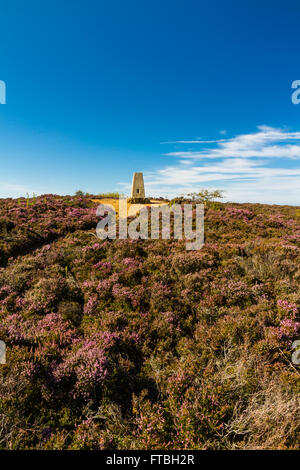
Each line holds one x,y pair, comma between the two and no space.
267,142
260,167
198,141
14,190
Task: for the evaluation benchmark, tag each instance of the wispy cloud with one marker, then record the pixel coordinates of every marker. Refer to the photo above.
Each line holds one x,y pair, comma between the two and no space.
263,166
14,190
195,141
267,142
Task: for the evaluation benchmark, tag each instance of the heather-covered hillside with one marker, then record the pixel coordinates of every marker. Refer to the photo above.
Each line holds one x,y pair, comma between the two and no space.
141,344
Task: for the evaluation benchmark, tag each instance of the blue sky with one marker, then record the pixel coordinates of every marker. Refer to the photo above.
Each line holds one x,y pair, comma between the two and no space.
193,93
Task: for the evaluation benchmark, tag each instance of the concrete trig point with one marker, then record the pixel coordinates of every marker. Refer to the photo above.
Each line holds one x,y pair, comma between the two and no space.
137,188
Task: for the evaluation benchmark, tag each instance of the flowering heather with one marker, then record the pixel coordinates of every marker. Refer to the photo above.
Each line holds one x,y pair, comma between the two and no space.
131,344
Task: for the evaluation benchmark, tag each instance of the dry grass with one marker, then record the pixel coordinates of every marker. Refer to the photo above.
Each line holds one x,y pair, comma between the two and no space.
115,203
270,419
